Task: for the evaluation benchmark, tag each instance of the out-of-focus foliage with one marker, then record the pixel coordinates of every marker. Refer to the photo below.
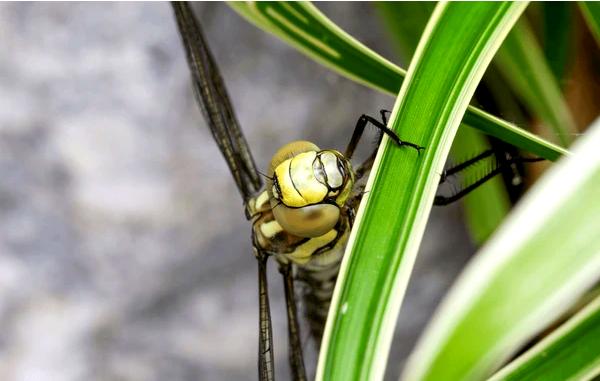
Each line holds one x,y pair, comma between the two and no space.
533,265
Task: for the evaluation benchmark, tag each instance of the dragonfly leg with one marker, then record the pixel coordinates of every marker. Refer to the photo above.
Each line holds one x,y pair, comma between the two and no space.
360,128
441,200
496,169
366,165
266,365
465,164
296,356
383,113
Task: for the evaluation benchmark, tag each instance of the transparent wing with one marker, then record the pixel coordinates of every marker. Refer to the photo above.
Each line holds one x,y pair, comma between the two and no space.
266,364
211,94
296,357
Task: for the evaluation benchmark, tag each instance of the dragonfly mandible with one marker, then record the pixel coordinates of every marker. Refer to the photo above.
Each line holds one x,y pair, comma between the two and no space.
303,215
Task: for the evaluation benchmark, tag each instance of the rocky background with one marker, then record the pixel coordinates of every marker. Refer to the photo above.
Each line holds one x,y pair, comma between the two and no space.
124,251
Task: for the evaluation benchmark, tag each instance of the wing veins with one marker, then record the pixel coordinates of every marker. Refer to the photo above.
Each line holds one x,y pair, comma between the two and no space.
211,95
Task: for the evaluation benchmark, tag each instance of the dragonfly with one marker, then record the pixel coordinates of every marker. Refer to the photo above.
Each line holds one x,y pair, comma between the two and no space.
302,213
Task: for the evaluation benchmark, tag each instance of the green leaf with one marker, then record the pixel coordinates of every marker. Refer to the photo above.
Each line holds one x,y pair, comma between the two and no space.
591,12
558,34
572,352
523,65
506,102
457,45
301,25
486,207
304,27
494,126
406,21
541,260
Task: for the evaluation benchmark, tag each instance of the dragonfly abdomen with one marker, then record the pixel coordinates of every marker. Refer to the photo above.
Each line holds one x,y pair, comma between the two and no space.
317,278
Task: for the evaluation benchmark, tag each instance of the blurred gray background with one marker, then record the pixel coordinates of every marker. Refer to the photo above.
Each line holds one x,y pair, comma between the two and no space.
124,251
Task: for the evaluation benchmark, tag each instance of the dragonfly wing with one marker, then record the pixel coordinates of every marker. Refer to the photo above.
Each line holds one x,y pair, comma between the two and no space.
211,95
296,356
266,367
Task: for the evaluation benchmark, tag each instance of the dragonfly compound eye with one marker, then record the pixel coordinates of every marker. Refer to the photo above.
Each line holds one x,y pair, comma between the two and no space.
328,170
296,181
308,188
334,171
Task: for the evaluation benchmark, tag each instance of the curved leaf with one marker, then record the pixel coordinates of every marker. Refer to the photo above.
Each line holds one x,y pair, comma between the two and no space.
591,12
486,207
523,65
541,260
458,44
572,352
307,29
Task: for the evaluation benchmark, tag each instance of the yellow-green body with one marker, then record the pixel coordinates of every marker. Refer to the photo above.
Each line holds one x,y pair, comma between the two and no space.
304,218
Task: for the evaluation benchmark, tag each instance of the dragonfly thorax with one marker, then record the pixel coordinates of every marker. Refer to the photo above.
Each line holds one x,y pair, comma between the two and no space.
308,188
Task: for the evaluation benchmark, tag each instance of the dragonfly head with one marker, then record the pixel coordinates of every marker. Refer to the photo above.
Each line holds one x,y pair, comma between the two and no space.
308,188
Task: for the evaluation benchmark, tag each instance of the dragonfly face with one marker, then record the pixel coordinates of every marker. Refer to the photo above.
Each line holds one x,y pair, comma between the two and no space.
302,215
308,187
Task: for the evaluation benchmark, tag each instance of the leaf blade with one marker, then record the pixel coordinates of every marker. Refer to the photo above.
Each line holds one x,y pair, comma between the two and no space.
591,13
569,353
486,207
306,19
449,63
523,65
512,286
